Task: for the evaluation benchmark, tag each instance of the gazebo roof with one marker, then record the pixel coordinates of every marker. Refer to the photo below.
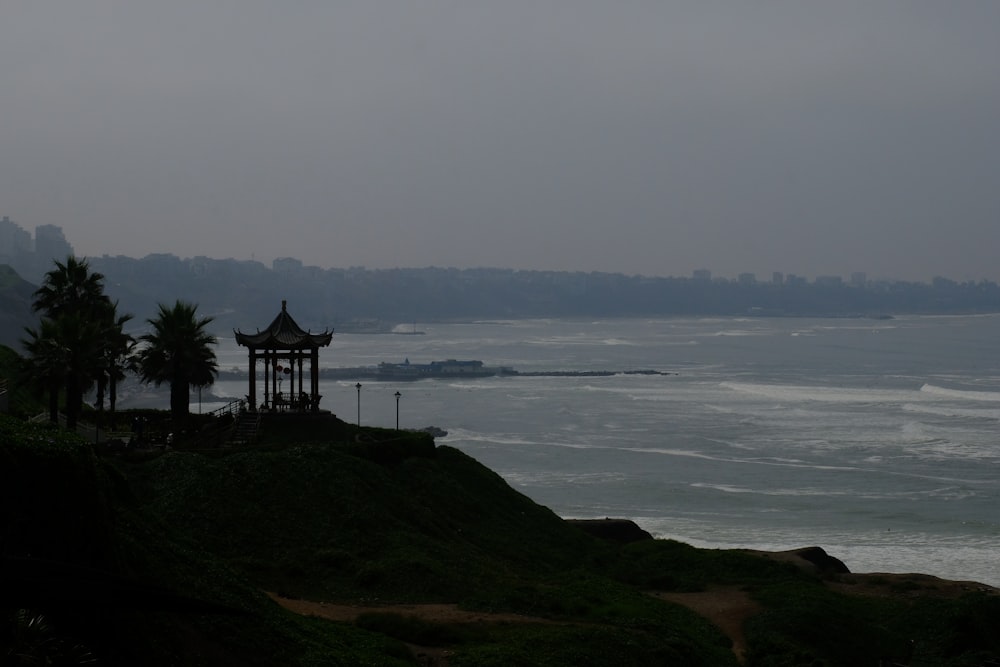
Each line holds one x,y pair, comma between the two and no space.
284,334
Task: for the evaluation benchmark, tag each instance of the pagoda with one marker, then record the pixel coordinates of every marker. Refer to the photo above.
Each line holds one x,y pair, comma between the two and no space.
284,346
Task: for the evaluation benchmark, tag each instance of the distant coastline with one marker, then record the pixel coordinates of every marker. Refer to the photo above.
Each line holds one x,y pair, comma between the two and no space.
449,369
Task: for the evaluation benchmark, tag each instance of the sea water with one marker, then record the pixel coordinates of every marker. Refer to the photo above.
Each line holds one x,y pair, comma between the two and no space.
875,439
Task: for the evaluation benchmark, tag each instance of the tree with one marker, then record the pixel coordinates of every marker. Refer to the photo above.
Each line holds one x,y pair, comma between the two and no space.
71,287
117,358
74,328
178,351
44,369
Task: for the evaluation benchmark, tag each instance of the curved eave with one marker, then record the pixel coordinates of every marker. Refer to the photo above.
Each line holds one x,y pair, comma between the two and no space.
267,340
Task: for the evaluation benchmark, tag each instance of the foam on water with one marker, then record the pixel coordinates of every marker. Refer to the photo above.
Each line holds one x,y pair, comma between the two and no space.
948,411
797,393
961,394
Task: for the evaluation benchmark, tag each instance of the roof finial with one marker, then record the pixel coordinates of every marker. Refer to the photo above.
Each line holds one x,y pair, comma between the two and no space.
283,305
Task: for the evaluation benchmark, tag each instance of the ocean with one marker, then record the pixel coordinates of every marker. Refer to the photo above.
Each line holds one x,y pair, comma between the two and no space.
874,439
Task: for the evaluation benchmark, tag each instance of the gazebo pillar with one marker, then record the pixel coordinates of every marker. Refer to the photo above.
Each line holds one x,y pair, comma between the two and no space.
314,377
252,394
298,358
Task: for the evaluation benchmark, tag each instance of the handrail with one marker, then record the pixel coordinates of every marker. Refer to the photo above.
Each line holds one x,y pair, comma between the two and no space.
233,408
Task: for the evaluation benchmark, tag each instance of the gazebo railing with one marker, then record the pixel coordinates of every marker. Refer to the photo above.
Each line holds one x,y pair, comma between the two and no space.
300,402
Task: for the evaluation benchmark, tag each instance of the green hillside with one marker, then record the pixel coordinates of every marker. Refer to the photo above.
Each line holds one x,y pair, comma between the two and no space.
15,306
167,558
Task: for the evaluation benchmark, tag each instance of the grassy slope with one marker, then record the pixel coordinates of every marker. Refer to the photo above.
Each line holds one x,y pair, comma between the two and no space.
317,514
15,306
63,508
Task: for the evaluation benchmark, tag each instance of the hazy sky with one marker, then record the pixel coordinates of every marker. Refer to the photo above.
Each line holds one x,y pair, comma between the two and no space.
641,136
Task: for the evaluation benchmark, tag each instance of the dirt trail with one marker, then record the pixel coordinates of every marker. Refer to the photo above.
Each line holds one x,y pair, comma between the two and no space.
726,608
438,613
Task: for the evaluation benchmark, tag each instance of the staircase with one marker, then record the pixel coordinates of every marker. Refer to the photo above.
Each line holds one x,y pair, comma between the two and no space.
246,428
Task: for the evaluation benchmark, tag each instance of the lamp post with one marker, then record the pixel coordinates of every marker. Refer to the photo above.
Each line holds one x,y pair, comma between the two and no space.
358,387
397,409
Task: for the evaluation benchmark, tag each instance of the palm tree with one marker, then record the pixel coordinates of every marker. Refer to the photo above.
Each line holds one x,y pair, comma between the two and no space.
73,331
117,357
178,351
44,369
71,287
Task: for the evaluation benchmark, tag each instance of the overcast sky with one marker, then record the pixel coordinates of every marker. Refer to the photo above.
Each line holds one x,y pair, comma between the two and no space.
645,136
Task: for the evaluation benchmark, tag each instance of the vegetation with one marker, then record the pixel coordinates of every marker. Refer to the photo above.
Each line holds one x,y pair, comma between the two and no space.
68,351
117,359
178,351
81,342
164,559
21,400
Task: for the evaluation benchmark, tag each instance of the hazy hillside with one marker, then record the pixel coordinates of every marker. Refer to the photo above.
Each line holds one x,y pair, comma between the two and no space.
15,307
247,294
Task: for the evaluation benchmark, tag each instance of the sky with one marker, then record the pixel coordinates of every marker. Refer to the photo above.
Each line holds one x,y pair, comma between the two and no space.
637,136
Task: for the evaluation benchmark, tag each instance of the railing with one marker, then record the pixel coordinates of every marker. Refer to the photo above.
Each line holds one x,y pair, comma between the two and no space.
233,408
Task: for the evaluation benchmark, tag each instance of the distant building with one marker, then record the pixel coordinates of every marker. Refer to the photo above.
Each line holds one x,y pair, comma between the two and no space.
859,278
746,279
14,240
777,278
50,244
792,279
31,258
702,274
828,281
286,265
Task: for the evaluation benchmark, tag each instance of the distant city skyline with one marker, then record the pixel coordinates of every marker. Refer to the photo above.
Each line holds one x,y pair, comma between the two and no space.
628,137
15,240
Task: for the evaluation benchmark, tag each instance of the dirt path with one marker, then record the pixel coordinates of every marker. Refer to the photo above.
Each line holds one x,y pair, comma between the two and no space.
437,613
726,608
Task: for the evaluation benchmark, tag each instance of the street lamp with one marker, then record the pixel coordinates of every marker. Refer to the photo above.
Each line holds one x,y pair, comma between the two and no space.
397,409
358,387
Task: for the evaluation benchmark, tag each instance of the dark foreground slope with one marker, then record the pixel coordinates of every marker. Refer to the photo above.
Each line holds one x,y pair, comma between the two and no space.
168,560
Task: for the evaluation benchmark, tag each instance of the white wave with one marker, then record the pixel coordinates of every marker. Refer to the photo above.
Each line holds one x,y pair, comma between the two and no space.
796,393
947,450
473,386
921,432
618,341
687,453
524,478
952,412
743,332
963,394
464,435
947,492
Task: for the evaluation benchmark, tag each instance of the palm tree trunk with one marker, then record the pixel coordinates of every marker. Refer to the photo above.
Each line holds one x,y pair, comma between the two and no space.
54,402
112,399
179,400
74,401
